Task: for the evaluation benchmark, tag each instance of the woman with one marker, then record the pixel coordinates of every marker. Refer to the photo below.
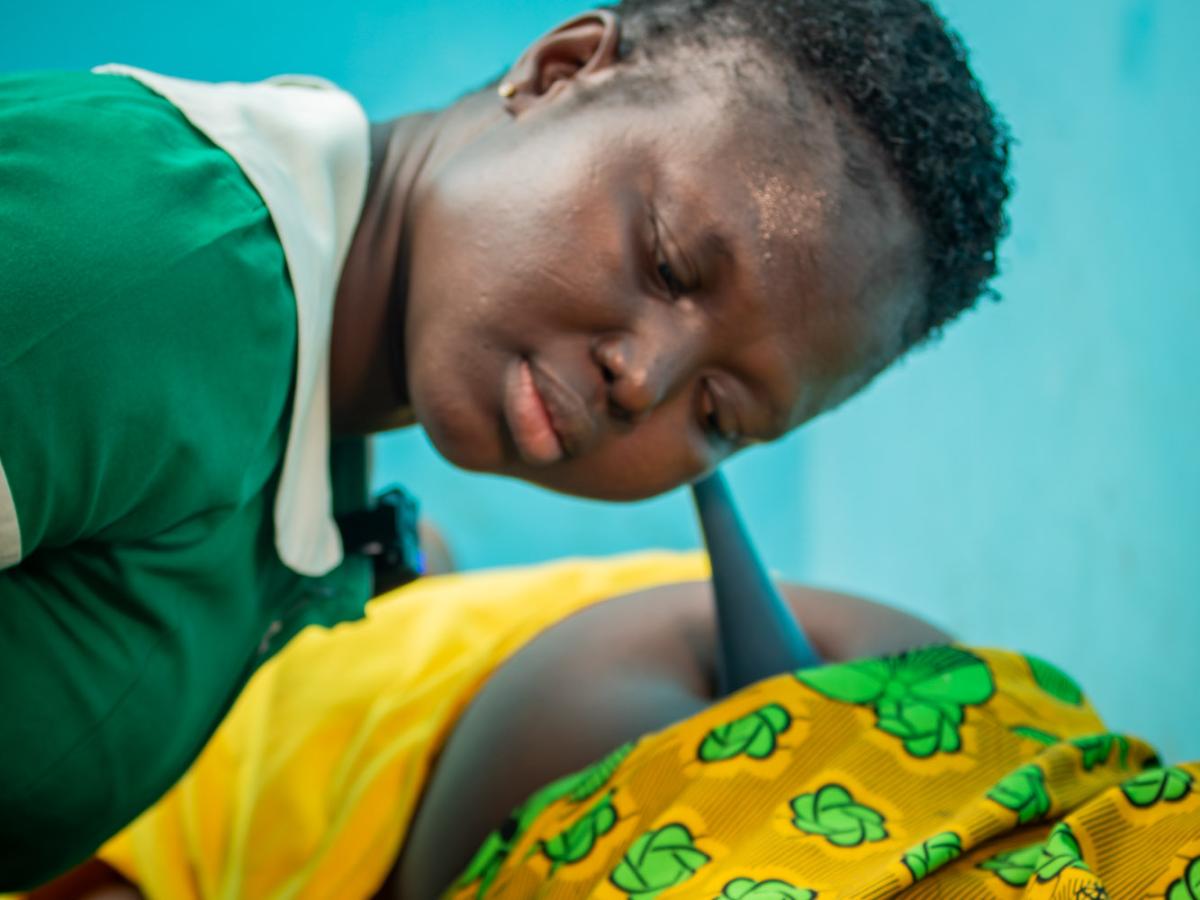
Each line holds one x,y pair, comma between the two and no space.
675,229
340,763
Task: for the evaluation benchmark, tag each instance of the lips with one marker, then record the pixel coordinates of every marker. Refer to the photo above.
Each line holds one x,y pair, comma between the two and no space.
529,420
548,420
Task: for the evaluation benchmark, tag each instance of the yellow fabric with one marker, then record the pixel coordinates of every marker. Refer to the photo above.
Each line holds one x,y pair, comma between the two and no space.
943,772
308,787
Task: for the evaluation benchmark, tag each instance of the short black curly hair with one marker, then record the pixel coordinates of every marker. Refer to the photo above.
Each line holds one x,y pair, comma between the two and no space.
905,76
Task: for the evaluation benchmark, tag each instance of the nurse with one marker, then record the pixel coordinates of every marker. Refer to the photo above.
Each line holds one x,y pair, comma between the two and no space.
673,230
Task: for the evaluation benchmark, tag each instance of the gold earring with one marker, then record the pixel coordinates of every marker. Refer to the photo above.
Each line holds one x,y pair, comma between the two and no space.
507,90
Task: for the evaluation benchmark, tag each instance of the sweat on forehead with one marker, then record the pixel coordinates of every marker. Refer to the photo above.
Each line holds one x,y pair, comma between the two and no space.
792,172
818,181
810,176
789,115
905,76
855,237
775,112
780,198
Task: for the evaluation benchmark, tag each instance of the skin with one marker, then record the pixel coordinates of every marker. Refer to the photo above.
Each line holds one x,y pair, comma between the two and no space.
685,275
605,675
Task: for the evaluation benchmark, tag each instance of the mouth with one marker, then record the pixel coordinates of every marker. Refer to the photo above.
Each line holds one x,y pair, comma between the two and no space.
529,420
539,406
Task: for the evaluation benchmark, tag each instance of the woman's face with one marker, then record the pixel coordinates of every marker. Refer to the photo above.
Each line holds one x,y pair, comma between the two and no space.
608,299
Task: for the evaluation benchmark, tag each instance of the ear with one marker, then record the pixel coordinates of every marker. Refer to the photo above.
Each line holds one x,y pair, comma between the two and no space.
578,48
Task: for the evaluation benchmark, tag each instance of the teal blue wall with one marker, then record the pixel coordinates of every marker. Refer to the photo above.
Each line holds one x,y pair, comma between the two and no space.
1034,479
1030,481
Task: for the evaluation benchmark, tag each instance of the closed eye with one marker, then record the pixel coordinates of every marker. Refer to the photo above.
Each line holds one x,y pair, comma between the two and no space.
673,284
665,272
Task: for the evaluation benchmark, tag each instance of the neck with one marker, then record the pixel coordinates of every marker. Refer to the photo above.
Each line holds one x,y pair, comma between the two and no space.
368,384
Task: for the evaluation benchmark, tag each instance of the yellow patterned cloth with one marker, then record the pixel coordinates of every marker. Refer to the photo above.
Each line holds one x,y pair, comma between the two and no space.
948,772
943,772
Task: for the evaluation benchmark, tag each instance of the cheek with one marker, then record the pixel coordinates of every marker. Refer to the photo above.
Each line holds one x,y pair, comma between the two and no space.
500,272
458,330
451,257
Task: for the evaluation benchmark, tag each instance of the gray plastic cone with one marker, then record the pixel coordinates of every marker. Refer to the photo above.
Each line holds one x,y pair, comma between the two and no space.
757,635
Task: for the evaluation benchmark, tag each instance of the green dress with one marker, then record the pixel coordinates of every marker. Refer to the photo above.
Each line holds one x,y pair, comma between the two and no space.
147,354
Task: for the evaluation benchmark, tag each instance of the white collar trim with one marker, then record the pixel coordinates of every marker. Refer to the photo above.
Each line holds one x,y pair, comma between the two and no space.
303,144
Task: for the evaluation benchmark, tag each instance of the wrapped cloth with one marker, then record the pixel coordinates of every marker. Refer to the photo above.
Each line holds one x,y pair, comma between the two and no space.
942,772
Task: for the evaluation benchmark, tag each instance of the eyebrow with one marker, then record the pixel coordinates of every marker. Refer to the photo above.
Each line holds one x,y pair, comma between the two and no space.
715,242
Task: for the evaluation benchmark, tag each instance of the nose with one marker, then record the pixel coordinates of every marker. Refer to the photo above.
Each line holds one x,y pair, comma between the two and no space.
642,372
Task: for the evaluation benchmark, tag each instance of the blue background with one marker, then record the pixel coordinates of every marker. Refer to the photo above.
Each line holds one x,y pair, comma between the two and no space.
1030,481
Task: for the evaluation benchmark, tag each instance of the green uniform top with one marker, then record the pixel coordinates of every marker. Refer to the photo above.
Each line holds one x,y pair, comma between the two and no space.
147,357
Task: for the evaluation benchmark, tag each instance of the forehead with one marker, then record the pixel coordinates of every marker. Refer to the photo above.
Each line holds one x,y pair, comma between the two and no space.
826,260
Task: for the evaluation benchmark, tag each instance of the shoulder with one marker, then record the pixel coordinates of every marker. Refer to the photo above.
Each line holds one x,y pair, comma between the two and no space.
669,631
147,324
95,154
108,193
102,177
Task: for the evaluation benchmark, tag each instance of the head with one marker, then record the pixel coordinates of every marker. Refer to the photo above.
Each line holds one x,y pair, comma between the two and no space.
699,224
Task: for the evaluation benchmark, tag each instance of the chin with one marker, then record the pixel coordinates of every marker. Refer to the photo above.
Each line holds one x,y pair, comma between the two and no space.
591,485
462,440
